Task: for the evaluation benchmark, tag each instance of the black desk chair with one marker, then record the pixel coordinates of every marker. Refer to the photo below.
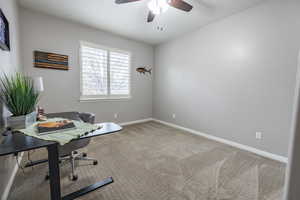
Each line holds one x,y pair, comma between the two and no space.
68,151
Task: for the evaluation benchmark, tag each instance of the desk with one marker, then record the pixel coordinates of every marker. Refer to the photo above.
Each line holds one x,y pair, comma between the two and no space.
18,142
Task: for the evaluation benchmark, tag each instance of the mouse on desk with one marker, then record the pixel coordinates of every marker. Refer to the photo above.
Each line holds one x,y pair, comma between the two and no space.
7,131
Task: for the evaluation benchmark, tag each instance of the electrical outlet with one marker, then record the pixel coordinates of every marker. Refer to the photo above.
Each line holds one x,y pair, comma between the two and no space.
116,115
258,135
174,116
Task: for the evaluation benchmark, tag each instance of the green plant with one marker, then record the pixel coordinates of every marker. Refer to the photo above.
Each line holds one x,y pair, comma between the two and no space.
18,94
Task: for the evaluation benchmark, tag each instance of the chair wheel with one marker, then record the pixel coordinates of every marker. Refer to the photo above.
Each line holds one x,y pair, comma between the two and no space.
47,177
84,154
95,162
74,177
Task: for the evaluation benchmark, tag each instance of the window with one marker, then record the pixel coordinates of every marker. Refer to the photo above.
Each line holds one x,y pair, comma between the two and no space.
105,73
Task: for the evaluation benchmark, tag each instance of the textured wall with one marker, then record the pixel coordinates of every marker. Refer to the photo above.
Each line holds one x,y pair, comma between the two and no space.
9,62
234,77
62,88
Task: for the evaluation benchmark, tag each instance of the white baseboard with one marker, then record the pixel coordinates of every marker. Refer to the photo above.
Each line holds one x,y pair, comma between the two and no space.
11,180
228,142
136,122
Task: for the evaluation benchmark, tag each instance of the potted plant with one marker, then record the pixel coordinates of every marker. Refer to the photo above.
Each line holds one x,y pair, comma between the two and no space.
20,98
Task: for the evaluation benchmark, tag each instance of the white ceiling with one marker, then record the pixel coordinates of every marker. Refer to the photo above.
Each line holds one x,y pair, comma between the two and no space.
129,20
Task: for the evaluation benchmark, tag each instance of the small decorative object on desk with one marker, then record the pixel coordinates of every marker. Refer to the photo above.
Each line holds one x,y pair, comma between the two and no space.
41,114
41,110
53,127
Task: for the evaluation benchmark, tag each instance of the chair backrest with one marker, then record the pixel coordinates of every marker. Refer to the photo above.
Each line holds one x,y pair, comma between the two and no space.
87,117
77,144
84,116
68,115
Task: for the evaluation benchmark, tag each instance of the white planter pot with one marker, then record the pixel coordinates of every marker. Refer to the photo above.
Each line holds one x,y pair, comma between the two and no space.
20,122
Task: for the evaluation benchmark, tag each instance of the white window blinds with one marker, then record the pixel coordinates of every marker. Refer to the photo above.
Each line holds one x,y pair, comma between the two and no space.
105,73
119,73
94,71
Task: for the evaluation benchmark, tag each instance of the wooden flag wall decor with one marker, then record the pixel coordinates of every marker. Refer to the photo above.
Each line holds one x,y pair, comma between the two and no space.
50,60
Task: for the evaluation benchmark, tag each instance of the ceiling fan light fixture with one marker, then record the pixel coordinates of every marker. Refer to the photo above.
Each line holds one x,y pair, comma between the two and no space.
158,6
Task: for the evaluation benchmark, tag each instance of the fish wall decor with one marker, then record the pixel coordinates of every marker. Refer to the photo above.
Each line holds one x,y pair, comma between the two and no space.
143,70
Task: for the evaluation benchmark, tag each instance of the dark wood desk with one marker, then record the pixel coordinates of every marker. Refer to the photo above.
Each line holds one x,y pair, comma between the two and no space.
18,142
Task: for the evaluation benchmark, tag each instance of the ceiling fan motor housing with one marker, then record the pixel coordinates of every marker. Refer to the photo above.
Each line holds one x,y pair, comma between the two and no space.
158,6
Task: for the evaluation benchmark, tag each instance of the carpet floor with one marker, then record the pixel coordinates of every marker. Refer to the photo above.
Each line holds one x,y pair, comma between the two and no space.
151,161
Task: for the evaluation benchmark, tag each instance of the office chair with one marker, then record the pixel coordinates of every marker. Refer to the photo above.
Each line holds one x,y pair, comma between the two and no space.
68,151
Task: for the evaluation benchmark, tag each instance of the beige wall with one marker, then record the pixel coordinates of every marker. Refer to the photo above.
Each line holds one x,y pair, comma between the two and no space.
9,62
234,77
62,88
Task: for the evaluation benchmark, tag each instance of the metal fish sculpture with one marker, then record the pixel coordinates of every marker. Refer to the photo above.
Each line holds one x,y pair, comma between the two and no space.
143,70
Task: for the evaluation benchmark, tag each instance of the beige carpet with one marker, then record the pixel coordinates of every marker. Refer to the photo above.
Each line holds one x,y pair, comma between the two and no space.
151,161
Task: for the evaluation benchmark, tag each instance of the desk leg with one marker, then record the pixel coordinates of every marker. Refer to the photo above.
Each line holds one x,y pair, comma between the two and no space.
54,177
88,189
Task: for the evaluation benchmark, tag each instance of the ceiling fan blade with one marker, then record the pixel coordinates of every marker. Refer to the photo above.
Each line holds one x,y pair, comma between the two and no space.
125,1
181,5
150,16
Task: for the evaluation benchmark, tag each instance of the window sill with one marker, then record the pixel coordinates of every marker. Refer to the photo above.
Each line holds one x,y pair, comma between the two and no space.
95,99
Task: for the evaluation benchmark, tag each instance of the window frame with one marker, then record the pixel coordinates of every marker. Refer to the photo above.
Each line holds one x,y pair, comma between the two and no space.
109,96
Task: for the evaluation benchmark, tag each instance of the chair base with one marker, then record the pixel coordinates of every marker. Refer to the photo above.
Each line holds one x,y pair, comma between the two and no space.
72,158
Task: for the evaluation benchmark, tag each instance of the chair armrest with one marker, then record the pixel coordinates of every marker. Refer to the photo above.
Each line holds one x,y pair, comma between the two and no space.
87,117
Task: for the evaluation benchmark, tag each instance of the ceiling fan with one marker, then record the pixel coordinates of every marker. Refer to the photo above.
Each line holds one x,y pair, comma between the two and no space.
157,7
